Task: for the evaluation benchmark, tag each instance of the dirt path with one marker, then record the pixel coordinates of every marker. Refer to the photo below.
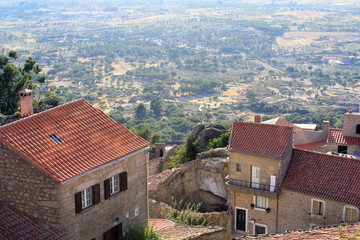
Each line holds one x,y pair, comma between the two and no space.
267,66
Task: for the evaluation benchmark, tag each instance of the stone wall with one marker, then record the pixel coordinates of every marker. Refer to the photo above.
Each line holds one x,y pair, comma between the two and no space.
268,166
260,216
350,122
96,220
307,136
27,189
222,219
295,211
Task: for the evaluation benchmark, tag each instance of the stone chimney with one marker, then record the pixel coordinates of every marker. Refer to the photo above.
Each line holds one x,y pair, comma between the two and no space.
257,119
26,103
326,126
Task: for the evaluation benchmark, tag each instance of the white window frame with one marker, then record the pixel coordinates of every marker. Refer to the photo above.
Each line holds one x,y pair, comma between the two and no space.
260,225
246,219
86,198
312,204
259,208
237,169
114,184
352,207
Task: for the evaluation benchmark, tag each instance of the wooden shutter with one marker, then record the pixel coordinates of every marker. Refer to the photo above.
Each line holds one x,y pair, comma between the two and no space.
78,203
107,188
123,181
96,194
119,230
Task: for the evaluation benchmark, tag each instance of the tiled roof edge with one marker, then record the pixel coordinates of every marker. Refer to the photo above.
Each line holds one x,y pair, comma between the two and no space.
40,113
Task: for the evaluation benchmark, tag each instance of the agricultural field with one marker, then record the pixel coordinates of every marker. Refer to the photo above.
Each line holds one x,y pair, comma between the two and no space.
207,61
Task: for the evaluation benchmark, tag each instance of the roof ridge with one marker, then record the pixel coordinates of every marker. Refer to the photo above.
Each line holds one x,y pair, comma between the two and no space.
40,113
264,124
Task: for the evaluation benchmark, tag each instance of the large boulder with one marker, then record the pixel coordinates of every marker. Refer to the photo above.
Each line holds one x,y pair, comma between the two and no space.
205,134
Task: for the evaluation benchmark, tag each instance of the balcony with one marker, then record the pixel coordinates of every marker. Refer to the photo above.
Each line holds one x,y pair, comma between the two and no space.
251,188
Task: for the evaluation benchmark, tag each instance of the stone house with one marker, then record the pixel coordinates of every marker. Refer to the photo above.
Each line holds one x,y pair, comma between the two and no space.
259,156
319,189
74,169
302,188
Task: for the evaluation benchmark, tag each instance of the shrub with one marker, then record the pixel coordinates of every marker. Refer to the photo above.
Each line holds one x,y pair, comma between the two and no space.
141,233
186,153
219,142
187,215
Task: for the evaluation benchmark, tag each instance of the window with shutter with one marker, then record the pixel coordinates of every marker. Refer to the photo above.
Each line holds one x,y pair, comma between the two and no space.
318,207
260,202
351,214
358,129
123,181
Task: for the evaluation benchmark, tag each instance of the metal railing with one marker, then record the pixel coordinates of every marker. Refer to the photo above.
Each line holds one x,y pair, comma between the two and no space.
240,183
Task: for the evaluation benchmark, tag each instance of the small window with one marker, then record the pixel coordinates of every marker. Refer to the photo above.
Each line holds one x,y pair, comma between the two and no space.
342,149
86,198
56,138
238,167
260,228
358,129
351,214
114,184
260,202
318,207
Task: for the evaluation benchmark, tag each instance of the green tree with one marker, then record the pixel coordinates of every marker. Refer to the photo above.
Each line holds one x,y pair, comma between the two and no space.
156,106
13,79
155,138
140,111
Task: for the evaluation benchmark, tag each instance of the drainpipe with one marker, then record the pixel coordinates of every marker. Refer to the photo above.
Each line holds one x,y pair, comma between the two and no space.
277,210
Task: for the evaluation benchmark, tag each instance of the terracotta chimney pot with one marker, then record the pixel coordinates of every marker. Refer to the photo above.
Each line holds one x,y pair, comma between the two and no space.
257,119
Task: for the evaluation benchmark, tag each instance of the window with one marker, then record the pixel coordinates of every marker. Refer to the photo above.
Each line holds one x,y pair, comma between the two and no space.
260,202
342,149
238,167
56,138
358,129
260,228
87,197
350,214
318,207
114,184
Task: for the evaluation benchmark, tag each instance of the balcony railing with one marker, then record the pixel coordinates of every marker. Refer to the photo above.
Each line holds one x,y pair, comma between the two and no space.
246,184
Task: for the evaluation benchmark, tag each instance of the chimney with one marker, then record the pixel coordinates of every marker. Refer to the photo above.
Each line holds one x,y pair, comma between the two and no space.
326,125
26,103
257,119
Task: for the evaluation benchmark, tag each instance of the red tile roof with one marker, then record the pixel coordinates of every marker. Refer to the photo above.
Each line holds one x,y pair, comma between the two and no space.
326,176
280,121
171,231
312,145
14,227
319,233
336,136
257,138
89,138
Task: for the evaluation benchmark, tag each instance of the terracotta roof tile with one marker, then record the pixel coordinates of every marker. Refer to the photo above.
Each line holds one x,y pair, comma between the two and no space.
312,145
319,233
336,136
89,138
257,138
14,227
171,231
280,121
326,176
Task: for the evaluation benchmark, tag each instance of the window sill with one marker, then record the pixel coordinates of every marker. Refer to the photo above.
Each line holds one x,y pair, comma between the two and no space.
260,209
113,195
86,209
